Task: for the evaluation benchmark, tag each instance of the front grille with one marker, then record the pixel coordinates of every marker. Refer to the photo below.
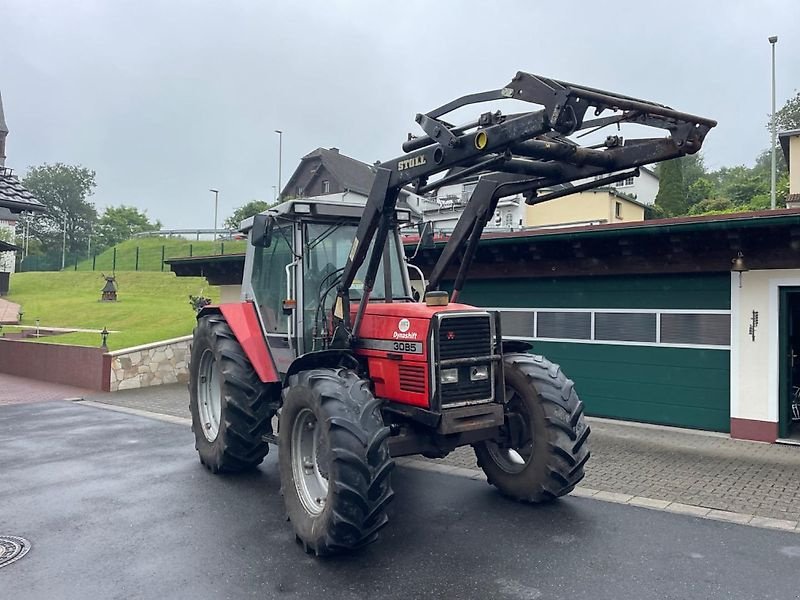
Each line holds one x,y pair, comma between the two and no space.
462,337
465,337
412,378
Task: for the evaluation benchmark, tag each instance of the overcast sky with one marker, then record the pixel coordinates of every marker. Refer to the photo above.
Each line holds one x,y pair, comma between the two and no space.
168,99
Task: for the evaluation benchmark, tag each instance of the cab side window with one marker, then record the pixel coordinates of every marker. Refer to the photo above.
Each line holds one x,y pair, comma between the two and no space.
269,278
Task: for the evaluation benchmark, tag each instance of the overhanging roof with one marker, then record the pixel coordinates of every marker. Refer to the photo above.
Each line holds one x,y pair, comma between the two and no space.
768,240
6,247
14,196
225,269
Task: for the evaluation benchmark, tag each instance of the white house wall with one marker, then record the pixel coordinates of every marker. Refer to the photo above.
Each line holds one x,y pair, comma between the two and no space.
755,362
7,259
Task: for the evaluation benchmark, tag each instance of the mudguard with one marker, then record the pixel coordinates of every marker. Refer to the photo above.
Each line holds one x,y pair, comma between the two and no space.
243,321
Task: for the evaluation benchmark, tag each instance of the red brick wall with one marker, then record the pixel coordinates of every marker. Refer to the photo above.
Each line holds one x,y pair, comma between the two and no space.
80,366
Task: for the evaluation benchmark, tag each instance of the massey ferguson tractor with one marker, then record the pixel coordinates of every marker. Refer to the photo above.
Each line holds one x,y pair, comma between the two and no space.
329,343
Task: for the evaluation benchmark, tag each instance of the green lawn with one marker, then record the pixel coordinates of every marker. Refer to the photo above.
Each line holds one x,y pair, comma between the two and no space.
150,253
151,306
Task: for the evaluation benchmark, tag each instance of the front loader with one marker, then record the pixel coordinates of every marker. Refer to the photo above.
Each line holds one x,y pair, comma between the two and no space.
329,342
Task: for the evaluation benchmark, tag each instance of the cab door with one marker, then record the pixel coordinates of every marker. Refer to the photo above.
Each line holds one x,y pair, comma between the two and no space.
270,276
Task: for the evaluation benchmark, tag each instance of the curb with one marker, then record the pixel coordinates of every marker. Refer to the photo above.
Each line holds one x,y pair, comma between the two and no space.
135,411
680,508
701,512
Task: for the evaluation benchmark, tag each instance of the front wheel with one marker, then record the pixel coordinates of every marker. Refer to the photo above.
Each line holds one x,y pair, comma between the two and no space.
543,450
334,461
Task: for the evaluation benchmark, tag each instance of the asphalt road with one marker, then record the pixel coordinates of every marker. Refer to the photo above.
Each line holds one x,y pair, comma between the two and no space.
118,506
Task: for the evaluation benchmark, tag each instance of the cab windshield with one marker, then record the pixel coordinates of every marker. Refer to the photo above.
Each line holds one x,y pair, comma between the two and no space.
327,247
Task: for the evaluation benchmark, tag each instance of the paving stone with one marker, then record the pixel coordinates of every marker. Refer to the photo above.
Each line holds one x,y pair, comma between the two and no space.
732,517
687,509
583,492
774,523
648,502
612,497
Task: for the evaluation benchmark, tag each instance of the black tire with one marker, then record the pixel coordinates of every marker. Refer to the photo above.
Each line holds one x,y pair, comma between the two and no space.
554,456
337,409
247,405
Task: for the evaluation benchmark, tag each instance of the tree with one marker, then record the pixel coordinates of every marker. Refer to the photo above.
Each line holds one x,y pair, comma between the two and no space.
700,189
712,205
671,197
63,189
693,168
788,117
120,223
741,184
247,210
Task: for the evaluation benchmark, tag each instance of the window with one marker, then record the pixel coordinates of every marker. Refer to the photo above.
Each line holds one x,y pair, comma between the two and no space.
269,278
618,209
627,327
326,251
565,325
466,191
628,181
509,220
326,187
300,191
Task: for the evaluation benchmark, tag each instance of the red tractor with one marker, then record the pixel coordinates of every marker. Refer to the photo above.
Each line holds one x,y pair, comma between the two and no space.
329,342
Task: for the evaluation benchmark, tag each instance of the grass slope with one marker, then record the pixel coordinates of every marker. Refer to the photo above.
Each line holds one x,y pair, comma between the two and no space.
151,306
150,253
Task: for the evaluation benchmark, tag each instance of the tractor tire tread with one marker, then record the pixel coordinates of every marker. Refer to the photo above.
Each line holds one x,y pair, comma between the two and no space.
560,464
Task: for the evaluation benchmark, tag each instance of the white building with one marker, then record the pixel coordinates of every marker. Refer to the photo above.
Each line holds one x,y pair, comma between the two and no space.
643,188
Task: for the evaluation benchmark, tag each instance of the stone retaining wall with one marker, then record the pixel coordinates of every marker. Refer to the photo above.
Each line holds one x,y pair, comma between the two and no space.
150,364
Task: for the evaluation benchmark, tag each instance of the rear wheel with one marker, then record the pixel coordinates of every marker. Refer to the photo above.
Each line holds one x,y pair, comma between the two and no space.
334,461
231,408
543,452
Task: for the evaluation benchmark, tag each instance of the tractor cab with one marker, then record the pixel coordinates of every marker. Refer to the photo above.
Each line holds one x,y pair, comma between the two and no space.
294,262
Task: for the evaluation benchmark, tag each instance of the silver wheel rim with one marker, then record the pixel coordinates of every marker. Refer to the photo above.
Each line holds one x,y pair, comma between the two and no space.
310,481
513,459
209,397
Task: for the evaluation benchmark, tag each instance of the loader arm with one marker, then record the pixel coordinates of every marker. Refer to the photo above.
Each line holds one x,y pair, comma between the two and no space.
517,153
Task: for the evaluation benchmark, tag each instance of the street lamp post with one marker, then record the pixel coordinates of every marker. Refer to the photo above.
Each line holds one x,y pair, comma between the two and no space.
280,153
773,40
216,207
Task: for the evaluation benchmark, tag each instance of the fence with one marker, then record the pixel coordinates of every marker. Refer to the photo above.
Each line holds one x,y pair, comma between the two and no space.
128,257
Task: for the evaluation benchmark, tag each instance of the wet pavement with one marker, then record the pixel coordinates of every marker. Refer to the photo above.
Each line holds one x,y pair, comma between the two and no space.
118,506
666,464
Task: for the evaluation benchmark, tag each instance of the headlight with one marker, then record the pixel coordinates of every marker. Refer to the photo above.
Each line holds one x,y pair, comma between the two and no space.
479,373
448,376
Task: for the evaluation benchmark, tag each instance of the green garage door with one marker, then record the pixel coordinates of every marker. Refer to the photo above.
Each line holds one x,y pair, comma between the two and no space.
646,348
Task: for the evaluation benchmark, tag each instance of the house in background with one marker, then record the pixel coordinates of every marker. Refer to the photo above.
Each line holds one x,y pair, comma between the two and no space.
643,188
328,172
602,205
14,199
790,144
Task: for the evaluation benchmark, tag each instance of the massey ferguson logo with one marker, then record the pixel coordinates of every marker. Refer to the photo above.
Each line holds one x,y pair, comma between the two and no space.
404,334
451,335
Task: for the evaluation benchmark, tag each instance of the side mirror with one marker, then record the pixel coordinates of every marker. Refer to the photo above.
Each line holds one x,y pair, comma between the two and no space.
426,235
261,233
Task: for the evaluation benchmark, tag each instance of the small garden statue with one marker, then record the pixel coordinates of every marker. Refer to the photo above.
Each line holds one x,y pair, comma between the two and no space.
109,293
